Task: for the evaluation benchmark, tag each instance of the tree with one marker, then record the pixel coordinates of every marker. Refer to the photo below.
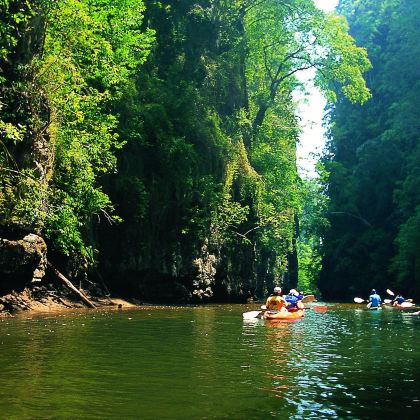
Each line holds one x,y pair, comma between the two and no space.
66,64
370,160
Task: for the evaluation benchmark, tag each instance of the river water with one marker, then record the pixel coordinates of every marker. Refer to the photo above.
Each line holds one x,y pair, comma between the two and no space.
208,363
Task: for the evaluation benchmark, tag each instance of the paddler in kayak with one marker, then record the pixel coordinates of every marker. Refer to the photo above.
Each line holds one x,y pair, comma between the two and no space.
282,311
276,301
398,300
293,301
374,300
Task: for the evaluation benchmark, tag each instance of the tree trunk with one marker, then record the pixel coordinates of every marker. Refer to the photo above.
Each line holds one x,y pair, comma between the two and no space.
70,286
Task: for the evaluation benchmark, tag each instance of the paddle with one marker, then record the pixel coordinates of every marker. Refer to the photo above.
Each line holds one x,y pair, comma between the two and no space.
360,300
308,298
251,314
254,314
316,308
319,308
408,303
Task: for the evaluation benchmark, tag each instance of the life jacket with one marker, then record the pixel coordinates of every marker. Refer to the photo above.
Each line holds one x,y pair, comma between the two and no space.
274,303
292,301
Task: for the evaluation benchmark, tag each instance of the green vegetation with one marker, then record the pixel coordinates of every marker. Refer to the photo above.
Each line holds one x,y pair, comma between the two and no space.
64,64
373,160
157,140
313,224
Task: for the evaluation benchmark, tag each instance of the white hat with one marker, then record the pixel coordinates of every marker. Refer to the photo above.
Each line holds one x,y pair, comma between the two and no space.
293,292
277,289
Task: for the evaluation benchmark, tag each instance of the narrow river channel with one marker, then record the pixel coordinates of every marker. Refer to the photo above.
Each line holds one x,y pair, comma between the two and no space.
207,362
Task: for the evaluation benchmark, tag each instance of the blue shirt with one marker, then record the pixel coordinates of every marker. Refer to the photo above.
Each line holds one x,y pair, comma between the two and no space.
292,300
375,299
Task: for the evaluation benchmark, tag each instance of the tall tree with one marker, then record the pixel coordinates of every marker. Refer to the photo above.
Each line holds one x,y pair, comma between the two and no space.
194,148
210,159
371,154
63,65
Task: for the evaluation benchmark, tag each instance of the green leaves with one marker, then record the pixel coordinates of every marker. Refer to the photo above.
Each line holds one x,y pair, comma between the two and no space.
195,143
373,180
90,51
342,61
287,38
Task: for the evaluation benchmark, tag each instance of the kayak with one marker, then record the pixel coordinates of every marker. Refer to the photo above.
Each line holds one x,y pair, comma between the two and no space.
374,308
284,315
404,305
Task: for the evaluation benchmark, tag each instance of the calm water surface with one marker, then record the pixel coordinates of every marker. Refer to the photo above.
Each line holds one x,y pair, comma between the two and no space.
206,362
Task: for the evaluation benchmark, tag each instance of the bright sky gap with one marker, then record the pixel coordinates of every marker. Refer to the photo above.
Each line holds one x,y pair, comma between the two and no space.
311,111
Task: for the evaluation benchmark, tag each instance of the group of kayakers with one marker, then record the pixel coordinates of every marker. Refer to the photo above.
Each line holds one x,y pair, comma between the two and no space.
291,306
293,300
283,307
290,302
375,300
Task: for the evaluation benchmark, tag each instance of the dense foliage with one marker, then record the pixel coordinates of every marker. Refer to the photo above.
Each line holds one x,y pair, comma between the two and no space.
313,224
172,121
64,64
373,160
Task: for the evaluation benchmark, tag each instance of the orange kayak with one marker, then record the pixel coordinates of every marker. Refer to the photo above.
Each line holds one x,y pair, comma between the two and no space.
279,315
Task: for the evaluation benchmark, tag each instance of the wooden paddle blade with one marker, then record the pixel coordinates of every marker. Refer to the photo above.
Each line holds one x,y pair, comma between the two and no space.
250,314
358,300
309,298
320,308
387,300
390,292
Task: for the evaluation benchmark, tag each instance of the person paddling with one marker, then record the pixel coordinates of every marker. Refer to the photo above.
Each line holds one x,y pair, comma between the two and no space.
294,301
291,300
300,295
276,301
374,300
398,300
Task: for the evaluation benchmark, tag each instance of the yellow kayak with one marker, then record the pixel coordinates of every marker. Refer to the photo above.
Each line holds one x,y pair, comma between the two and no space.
286,315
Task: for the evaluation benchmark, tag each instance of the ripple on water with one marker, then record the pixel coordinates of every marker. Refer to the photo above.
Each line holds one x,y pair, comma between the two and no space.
200,362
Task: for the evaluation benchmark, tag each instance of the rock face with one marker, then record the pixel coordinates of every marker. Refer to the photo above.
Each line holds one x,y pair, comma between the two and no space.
206,266
22,261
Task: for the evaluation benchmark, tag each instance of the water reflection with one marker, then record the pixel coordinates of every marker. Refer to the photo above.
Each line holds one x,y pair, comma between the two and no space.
206,362
305,364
